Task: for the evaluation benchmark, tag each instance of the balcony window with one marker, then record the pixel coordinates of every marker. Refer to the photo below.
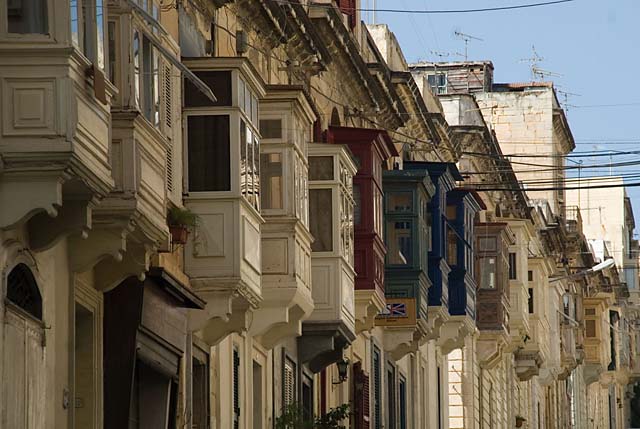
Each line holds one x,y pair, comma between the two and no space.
249,165
321,168
321,219
513,268
400,242
400,202
357,213
209,153
301,191
438,83
488,272
87,29
272,181
146,65
452,247
530,301
28,16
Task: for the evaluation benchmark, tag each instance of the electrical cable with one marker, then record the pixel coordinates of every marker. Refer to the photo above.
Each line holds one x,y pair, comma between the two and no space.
443,11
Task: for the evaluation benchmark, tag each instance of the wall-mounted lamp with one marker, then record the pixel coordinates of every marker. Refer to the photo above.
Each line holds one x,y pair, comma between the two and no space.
343,371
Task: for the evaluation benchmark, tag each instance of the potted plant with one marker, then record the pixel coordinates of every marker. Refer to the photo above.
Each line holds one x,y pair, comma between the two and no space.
181,221
519,421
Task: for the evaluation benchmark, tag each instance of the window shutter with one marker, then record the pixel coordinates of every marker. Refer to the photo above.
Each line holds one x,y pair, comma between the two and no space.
377,388
167,115
236,389
289,383
361,396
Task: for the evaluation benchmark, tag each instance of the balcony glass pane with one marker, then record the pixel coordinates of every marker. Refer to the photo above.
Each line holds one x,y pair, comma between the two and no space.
357,210
321,219
488,272
208,151
272,185
400,242
271,128
320,168
400,202
27,16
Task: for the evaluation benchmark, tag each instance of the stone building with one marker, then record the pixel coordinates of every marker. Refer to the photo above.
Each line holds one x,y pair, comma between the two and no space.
217,213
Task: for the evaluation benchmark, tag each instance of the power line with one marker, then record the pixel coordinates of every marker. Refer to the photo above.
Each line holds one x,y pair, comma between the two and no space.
444,11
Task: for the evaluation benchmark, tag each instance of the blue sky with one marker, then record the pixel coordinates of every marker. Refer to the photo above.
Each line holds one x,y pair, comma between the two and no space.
593,44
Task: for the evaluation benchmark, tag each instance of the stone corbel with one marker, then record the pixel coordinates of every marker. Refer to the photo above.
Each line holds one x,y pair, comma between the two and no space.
399,342
527,364
437,316
322,344
453,333
271,325
490,351
74,217
592,373
24,196
102,243
109,273
226,312
368,304
547,376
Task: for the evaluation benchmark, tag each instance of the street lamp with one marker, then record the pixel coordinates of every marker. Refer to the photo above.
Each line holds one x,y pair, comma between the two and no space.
343,368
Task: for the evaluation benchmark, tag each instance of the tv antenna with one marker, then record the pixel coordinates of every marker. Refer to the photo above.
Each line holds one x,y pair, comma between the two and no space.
565,98
536,71
442,54
466,38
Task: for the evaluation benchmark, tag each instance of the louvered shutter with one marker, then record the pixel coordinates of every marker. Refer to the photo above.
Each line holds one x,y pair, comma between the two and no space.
377,389
170,128
236,389
289,383
361,396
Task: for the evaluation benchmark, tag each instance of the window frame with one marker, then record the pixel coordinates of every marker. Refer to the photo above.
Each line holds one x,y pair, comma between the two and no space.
27,37
91,49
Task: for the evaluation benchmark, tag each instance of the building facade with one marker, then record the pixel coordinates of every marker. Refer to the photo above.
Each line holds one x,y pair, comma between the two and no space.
249,214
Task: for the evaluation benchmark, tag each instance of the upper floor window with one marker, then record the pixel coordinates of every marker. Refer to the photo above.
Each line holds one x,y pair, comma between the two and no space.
438,83
87,28
209,153
28,16
513,267
146,67
22,290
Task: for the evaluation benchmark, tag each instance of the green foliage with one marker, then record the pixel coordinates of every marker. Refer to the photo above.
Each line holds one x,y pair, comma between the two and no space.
182,217
293,417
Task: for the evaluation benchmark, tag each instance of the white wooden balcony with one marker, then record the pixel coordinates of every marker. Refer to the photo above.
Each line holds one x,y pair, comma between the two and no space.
285,120
331,326
223,257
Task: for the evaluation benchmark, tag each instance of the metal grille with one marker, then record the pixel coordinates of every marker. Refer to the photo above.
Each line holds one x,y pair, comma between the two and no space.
22,290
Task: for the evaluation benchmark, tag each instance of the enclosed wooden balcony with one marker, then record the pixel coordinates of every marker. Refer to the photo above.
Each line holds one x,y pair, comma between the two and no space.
597,341
370,149
331,326
223,257
285,118
462,206
492,246
407,220
54,142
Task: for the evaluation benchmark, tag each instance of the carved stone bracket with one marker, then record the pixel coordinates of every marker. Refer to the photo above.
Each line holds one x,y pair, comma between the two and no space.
87,251
400,341
74,217
238,321
591,373
490,348
437,316
527,364
109,273
322,343
453,333
24,195
368,304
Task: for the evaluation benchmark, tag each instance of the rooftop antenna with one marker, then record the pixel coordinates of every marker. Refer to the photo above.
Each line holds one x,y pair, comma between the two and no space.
466,38
533,61
565,96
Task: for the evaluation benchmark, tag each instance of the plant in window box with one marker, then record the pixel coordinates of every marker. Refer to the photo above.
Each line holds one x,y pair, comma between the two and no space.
181,221
520,421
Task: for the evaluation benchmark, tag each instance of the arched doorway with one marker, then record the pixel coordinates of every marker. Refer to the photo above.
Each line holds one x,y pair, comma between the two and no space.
23,375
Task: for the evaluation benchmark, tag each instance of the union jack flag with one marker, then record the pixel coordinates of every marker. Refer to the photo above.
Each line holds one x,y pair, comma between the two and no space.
398,309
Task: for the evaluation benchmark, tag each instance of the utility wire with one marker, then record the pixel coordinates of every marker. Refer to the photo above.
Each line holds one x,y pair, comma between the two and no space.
442,11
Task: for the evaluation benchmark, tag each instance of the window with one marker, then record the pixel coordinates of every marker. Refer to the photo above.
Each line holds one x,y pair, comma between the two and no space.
530,275
87,29
307,397
513,268
452,247
400,201
530,300
113,50
272,181
249,165
288,382
271,128
23,291
357,209
320,168
488,272
377,387
438,83
200,392
400,242
236,388
257,396
590,328
150,82
28,16
377,210
209,153
391,396
321,219
402,402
